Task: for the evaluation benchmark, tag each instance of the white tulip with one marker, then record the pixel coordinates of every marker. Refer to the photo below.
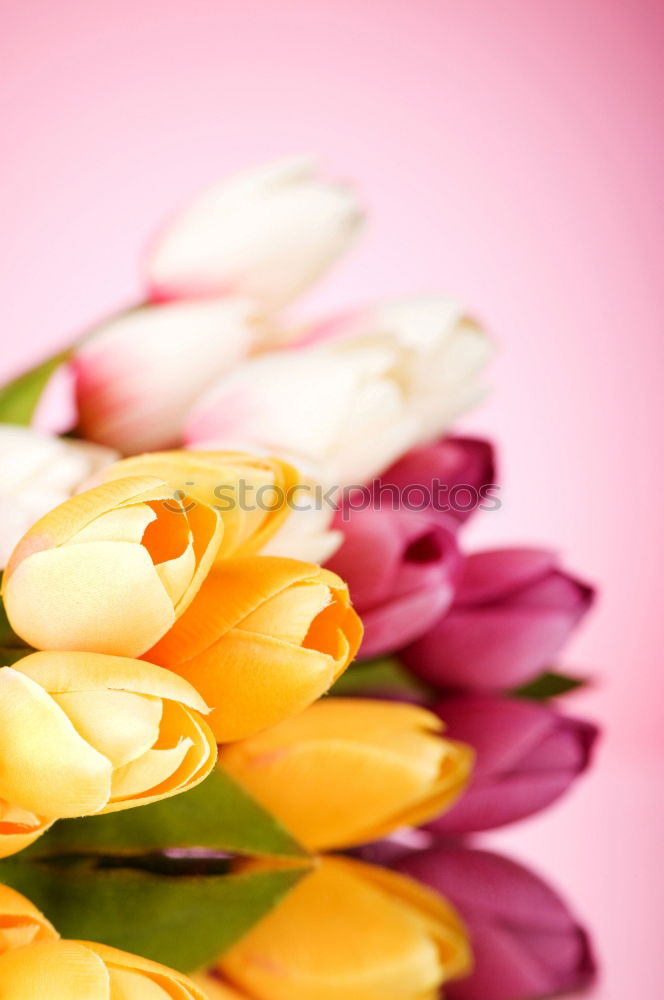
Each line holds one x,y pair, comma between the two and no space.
354,394
38,473
266,234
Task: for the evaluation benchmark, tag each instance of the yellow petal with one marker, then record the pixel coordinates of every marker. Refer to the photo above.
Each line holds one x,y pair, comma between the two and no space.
122,524
149,771
119,724
215,989
15,837
45,766
60,672
337,935
21,923
176,985
57,970
100,597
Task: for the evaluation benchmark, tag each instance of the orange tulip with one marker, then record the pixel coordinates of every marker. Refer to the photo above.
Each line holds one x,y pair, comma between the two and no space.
348,770
263,639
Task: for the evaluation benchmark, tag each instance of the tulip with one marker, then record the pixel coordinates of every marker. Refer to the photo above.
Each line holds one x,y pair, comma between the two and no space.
21,923
38,473
250,493
110,570
350,930
525,942
400,568
61,970
83,733
266,234
347,771
449,478
19,827
137,376
263,638
527,756
215,989
513,611
354,400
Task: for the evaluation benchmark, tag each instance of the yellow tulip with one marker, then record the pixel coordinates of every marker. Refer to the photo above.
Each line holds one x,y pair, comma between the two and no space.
351,930
110,570
63,970
21,923
250,493
19,827
346,771
263,638
83,733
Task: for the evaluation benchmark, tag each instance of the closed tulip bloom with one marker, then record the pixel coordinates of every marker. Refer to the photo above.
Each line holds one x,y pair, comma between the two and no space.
527,756
401,569
266,233
111,569
513,612
526,944
350,930
250,493
38,473
263,639
62,970
347,771
83,733
137,376
449,478
21,923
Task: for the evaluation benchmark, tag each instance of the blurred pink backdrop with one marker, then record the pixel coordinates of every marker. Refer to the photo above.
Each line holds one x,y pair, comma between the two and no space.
509,152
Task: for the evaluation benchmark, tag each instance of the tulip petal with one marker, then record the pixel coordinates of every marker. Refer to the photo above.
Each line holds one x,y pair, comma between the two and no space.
45,766
21,923
119,724
175,985
58,970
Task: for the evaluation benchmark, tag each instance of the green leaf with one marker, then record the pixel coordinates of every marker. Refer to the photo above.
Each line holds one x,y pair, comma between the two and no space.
385,674
549,685
184,921
19,398
218,814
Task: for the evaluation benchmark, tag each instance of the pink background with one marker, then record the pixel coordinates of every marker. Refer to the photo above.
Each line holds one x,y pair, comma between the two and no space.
509,152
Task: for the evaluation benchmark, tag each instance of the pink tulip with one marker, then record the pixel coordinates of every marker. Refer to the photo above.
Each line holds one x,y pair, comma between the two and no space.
401,568
526,944
456,475
527,756
514,610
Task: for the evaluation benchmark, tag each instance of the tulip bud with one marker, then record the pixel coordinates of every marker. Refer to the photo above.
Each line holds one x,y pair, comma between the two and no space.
449,478
137,376
250,494
21,923
527,755
525,942
39,472
513,611
347,771
263,639
355,401
62,970
350,930
83,733
400,568
111,569
266,233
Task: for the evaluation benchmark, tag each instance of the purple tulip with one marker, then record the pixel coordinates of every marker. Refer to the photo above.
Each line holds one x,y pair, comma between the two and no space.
526,944
450,478
401,569
512,613
527,755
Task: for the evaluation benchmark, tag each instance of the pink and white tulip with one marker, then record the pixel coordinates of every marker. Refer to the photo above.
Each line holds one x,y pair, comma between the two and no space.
137,376
265,234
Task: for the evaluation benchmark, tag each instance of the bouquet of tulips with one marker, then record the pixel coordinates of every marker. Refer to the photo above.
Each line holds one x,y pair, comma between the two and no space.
255,689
